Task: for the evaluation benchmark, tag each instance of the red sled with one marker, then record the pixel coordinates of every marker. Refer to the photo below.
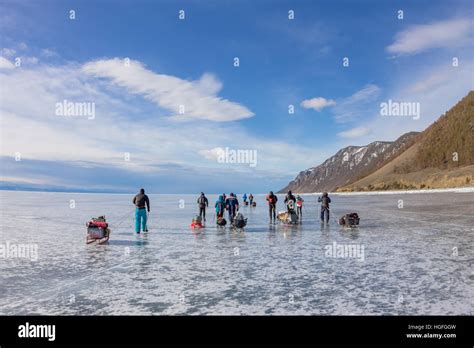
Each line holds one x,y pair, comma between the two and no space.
97,231
196,225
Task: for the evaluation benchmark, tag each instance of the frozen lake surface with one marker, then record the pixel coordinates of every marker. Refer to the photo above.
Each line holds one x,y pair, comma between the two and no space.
417,259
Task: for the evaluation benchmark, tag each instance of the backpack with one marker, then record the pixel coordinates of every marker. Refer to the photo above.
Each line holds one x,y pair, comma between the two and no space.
351,219
325,201
239,221
291,205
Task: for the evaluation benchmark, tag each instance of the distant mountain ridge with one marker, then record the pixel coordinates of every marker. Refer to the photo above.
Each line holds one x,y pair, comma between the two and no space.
349,164
441,156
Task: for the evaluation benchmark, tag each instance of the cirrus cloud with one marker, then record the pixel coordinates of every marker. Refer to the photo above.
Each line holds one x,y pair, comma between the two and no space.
188,99
441,34
5,63
356,105
212,154
355,132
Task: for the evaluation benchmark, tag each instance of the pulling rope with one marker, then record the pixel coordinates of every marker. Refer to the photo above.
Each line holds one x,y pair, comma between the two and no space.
124,218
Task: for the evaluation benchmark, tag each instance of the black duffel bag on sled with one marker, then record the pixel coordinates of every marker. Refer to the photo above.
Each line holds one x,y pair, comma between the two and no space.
350,220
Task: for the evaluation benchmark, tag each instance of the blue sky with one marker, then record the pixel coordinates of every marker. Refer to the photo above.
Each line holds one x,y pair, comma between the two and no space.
137,62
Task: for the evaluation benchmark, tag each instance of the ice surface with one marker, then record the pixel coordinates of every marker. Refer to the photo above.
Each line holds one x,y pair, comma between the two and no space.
417,259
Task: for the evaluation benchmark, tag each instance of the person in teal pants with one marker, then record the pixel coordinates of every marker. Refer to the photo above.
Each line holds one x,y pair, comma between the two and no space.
142,204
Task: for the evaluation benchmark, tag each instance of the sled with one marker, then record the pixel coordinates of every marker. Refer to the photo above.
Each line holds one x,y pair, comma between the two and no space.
239,221
97,231
350,220
196,223
221,221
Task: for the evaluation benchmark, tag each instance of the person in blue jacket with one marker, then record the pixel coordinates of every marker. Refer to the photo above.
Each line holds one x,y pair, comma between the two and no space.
220,206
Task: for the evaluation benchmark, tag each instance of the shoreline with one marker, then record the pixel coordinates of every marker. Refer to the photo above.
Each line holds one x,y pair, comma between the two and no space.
394,192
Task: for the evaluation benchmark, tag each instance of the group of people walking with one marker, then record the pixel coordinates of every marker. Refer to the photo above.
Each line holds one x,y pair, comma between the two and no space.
231,205
223,203
292,204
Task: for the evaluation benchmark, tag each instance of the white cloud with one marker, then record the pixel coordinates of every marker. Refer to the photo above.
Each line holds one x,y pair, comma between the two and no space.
30,126
317,103
369,92
29,60
430,82
356,105
442,34
8,52
355,132
171,93
212,154
438,77
47,52
6,64
209,84
437,88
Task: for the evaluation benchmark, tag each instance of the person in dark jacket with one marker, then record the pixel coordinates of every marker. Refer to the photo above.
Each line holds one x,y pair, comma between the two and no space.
232,205
324,200
290,198
142,204
272,201
203,203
